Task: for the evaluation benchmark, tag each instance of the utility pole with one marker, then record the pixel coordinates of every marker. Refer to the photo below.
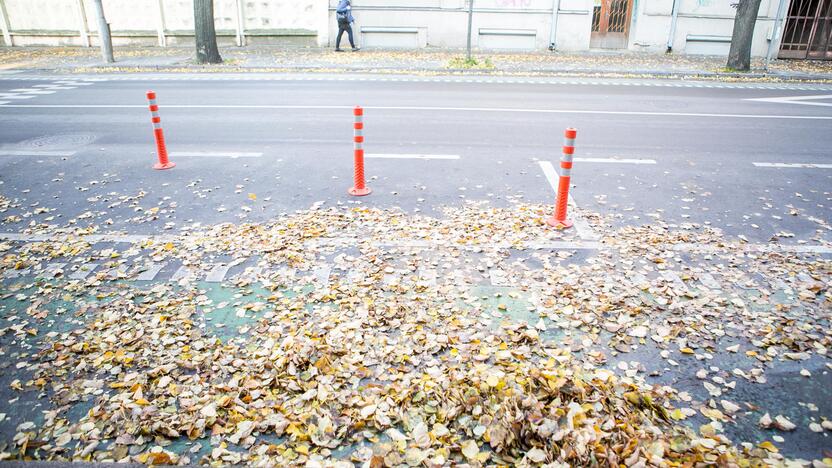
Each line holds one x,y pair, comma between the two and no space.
104,33
470,23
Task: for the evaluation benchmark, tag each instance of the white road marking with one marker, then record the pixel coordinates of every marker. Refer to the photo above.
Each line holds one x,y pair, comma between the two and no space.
583,229
708,248
250,273
217,274
53,269
321,274
83,271
15,96
32,91
427,109
794,165
214,154
151,272
709,282
803,100
428,276
615,160
672,277
36,153
411,156
181,273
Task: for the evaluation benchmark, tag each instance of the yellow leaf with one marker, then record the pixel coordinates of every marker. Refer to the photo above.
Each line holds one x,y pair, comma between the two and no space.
302,448
687,351
677,415
142,402
252,196
769,446
168,246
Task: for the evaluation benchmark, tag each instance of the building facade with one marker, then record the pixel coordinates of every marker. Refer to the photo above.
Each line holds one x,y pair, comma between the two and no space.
679,26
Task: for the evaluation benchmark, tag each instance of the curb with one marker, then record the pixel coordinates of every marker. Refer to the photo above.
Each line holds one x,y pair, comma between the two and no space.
584,73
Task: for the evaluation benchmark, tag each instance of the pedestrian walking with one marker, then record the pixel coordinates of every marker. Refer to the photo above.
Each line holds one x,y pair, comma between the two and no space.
345,19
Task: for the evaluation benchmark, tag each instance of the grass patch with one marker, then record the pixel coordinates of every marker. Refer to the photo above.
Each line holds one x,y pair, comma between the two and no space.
471,63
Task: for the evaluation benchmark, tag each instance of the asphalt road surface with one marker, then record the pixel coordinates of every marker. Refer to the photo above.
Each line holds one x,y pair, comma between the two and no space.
289,142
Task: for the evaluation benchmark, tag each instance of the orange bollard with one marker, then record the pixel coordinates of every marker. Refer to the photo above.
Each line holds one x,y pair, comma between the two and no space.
161,150
558,220
359,189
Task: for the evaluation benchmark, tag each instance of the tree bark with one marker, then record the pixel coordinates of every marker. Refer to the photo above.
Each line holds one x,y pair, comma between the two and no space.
205,35
739,57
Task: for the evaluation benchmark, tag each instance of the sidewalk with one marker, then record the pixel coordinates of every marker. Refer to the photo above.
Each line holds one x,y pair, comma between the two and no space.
428,61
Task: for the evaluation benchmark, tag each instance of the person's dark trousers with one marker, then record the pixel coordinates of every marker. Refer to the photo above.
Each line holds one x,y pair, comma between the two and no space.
341,28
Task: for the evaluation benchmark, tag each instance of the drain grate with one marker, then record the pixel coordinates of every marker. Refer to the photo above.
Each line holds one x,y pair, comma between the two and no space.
60,141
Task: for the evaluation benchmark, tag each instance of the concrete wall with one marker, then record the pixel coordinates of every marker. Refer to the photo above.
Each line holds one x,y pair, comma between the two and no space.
703,26
497,24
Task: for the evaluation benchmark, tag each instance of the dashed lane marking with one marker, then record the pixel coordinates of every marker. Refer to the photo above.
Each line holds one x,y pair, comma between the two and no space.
36,153
615,160
215,154
411,156
794,165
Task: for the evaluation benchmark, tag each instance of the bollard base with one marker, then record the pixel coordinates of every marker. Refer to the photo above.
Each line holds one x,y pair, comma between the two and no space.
559,224
161,167
359,192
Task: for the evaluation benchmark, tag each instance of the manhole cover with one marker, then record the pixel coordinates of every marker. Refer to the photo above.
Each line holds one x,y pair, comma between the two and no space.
61,141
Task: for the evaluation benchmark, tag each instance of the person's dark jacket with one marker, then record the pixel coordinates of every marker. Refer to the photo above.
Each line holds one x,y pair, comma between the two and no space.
344,6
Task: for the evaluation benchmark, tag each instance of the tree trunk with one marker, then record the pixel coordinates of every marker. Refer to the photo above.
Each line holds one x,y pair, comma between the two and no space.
205,35
739,58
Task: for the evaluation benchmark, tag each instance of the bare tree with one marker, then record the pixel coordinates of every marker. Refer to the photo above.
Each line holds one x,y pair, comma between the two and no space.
739,58
205,35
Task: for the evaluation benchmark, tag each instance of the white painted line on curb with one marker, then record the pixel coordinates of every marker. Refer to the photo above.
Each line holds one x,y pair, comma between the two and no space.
583,229
214,154
794,165
615,160
411,156
35,153
428,109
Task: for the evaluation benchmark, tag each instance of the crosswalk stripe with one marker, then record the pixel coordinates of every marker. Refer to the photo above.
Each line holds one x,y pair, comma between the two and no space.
217,274
83,271
150,272
52,270
708,281
181,273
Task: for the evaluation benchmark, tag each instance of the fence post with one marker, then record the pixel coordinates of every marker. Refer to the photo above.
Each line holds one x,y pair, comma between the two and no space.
160,28
4,23
82,24
241,26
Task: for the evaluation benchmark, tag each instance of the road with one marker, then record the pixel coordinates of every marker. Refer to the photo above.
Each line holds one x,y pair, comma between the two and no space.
699,258
704,142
